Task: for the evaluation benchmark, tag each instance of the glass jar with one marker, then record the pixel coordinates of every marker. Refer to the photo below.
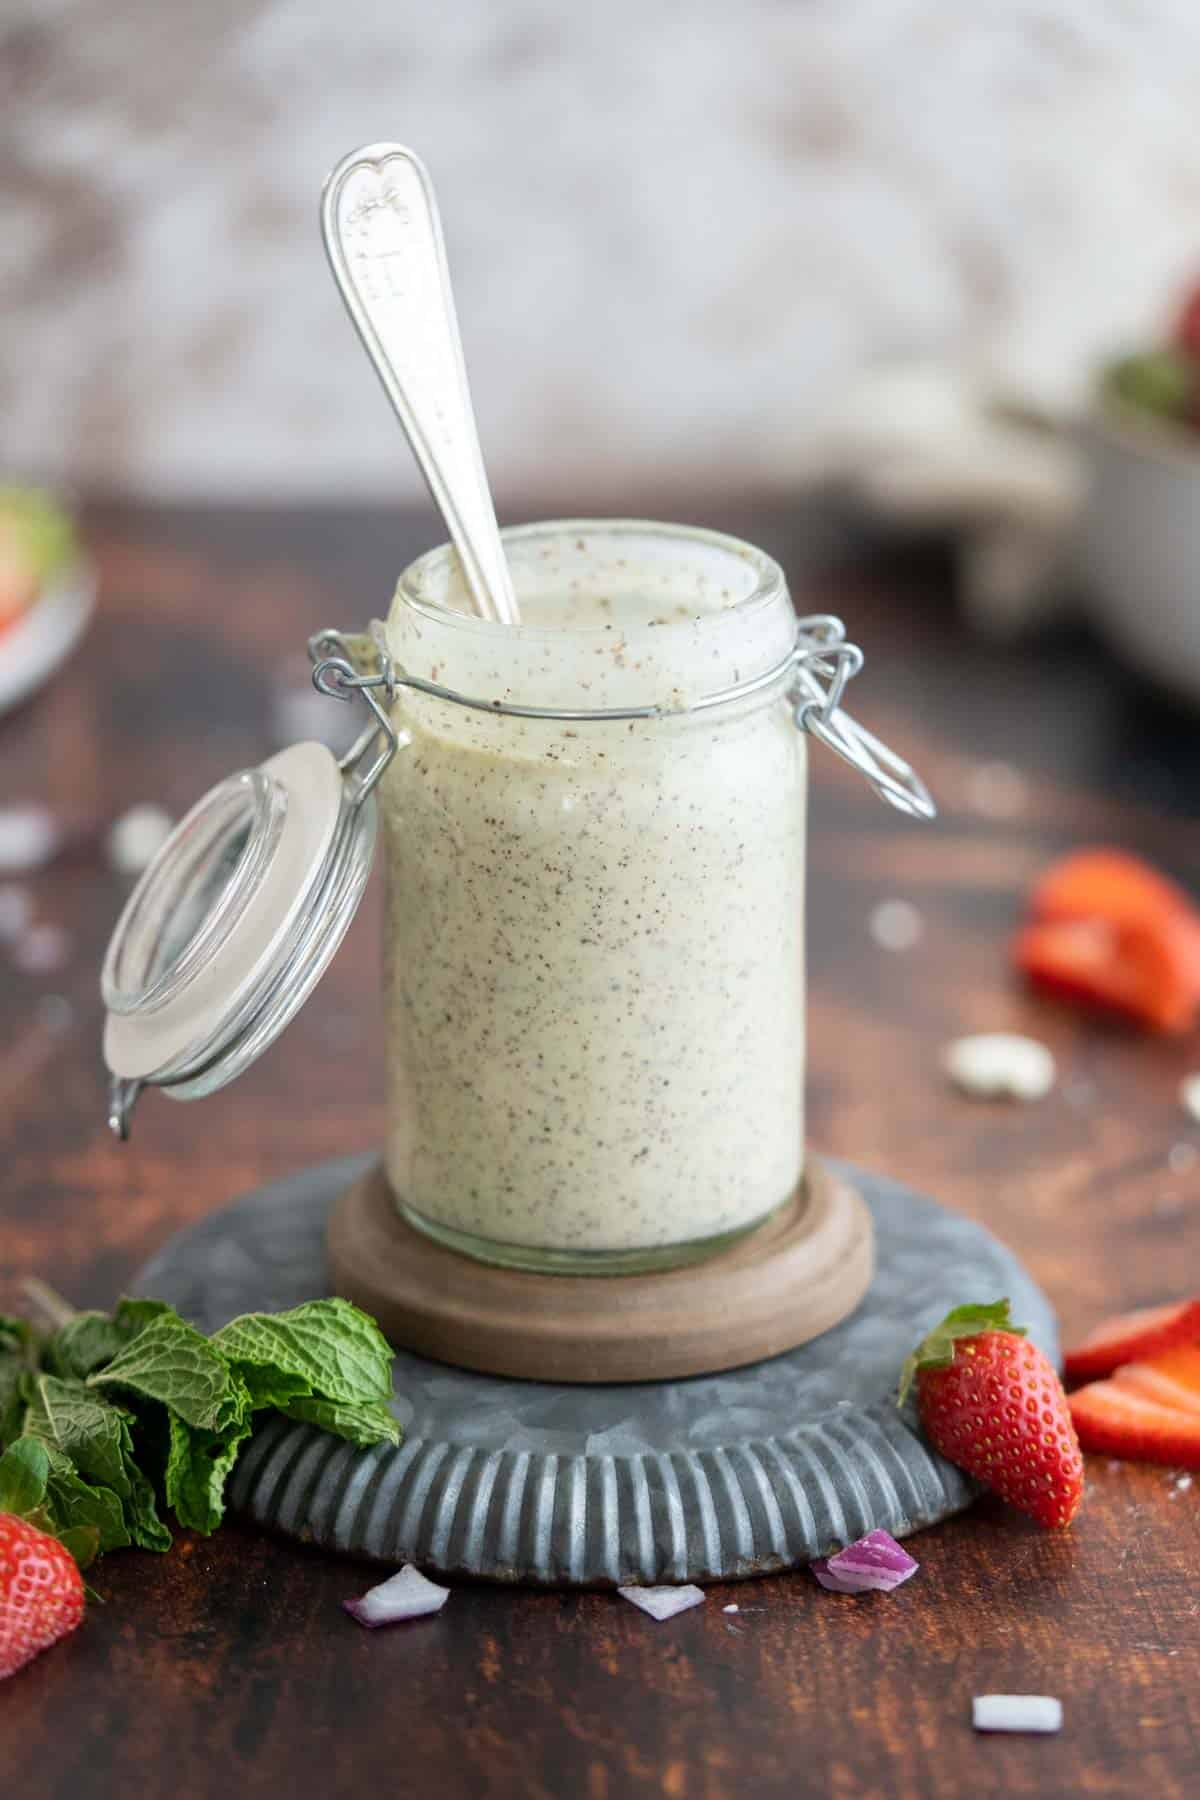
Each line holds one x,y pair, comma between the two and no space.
593,962
594,952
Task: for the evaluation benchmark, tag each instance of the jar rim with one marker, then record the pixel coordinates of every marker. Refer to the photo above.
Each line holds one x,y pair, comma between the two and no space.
769,579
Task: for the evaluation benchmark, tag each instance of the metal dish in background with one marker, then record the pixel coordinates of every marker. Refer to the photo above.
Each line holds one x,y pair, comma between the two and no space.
1138,546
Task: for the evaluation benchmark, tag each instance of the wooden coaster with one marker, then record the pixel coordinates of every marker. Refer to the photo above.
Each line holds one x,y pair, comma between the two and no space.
800,1273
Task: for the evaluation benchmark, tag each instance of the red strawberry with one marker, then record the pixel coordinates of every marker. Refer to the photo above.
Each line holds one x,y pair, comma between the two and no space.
1109,929
1109,884
1133,1337
1144,970
1172,1379
1111,1419
991,1402
41,1592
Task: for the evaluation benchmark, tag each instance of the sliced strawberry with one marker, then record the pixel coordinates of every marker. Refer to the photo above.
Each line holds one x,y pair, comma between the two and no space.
1105,884
1133,1337
1156,1380
1141,970
1120,889
1115,1422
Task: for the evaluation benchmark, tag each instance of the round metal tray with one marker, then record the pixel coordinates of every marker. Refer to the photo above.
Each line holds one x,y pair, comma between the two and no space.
704,1479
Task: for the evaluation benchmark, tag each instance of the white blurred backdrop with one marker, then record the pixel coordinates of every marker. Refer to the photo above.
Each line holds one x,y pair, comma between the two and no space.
677,230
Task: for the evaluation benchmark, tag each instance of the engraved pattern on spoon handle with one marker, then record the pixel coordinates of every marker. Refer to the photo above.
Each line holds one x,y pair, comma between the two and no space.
383,236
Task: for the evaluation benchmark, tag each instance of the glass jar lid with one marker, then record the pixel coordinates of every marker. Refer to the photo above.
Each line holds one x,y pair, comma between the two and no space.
233,923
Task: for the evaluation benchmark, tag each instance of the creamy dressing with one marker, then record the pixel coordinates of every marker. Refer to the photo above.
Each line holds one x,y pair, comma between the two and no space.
594,941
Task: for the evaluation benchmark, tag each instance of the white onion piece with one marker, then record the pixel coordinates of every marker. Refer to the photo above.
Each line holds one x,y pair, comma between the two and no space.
663,1602
407,1595
1000,1065
896,925
137,837
1016,1712
29,836
997,790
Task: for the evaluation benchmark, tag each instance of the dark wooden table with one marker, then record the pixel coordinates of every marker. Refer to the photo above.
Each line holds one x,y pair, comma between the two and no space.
228,1667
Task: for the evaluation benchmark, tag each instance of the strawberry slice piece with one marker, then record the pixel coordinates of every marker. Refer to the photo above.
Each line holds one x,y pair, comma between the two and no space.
1133,1337
1105,884
1121,889
1141,970
1153,1382
1115,1422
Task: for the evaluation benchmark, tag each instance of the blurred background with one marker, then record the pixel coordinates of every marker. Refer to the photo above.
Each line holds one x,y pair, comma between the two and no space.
902,289
698,249
679,233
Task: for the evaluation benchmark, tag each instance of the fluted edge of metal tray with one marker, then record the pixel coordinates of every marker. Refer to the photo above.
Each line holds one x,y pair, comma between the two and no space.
713,1478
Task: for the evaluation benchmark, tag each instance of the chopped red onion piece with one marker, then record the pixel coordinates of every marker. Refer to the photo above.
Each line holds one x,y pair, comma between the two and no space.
407,1595
1016,1712
663,1602
876,1561
820,1569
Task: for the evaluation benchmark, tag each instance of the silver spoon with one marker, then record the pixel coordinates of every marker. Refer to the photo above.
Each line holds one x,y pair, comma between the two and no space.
383,236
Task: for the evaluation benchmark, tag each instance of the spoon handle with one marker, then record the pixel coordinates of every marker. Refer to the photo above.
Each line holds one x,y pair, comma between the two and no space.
383,236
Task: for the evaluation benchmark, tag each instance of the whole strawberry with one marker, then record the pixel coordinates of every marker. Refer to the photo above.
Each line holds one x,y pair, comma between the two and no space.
41,1592
992,1403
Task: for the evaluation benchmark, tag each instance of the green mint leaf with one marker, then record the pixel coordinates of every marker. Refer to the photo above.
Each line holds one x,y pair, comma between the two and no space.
24,1469
82,1542
198,1466
141,1514
95,1437
336,1350
936,1351
173,1363
73,1502
76,1349
18,1358
132,1316
93,1434
91,1339
269,1386
363,1423
13,1332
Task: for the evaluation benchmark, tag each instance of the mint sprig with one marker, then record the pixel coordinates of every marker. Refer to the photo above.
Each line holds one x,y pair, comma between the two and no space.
108,1417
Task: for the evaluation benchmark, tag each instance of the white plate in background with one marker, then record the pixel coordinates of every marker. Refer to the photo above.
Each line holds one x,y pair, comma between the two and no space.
32,649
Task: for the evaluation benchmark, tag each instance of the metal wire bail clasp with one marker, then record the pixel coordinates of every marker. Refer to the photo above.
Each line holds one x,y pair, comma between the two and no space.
824,663
335,675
